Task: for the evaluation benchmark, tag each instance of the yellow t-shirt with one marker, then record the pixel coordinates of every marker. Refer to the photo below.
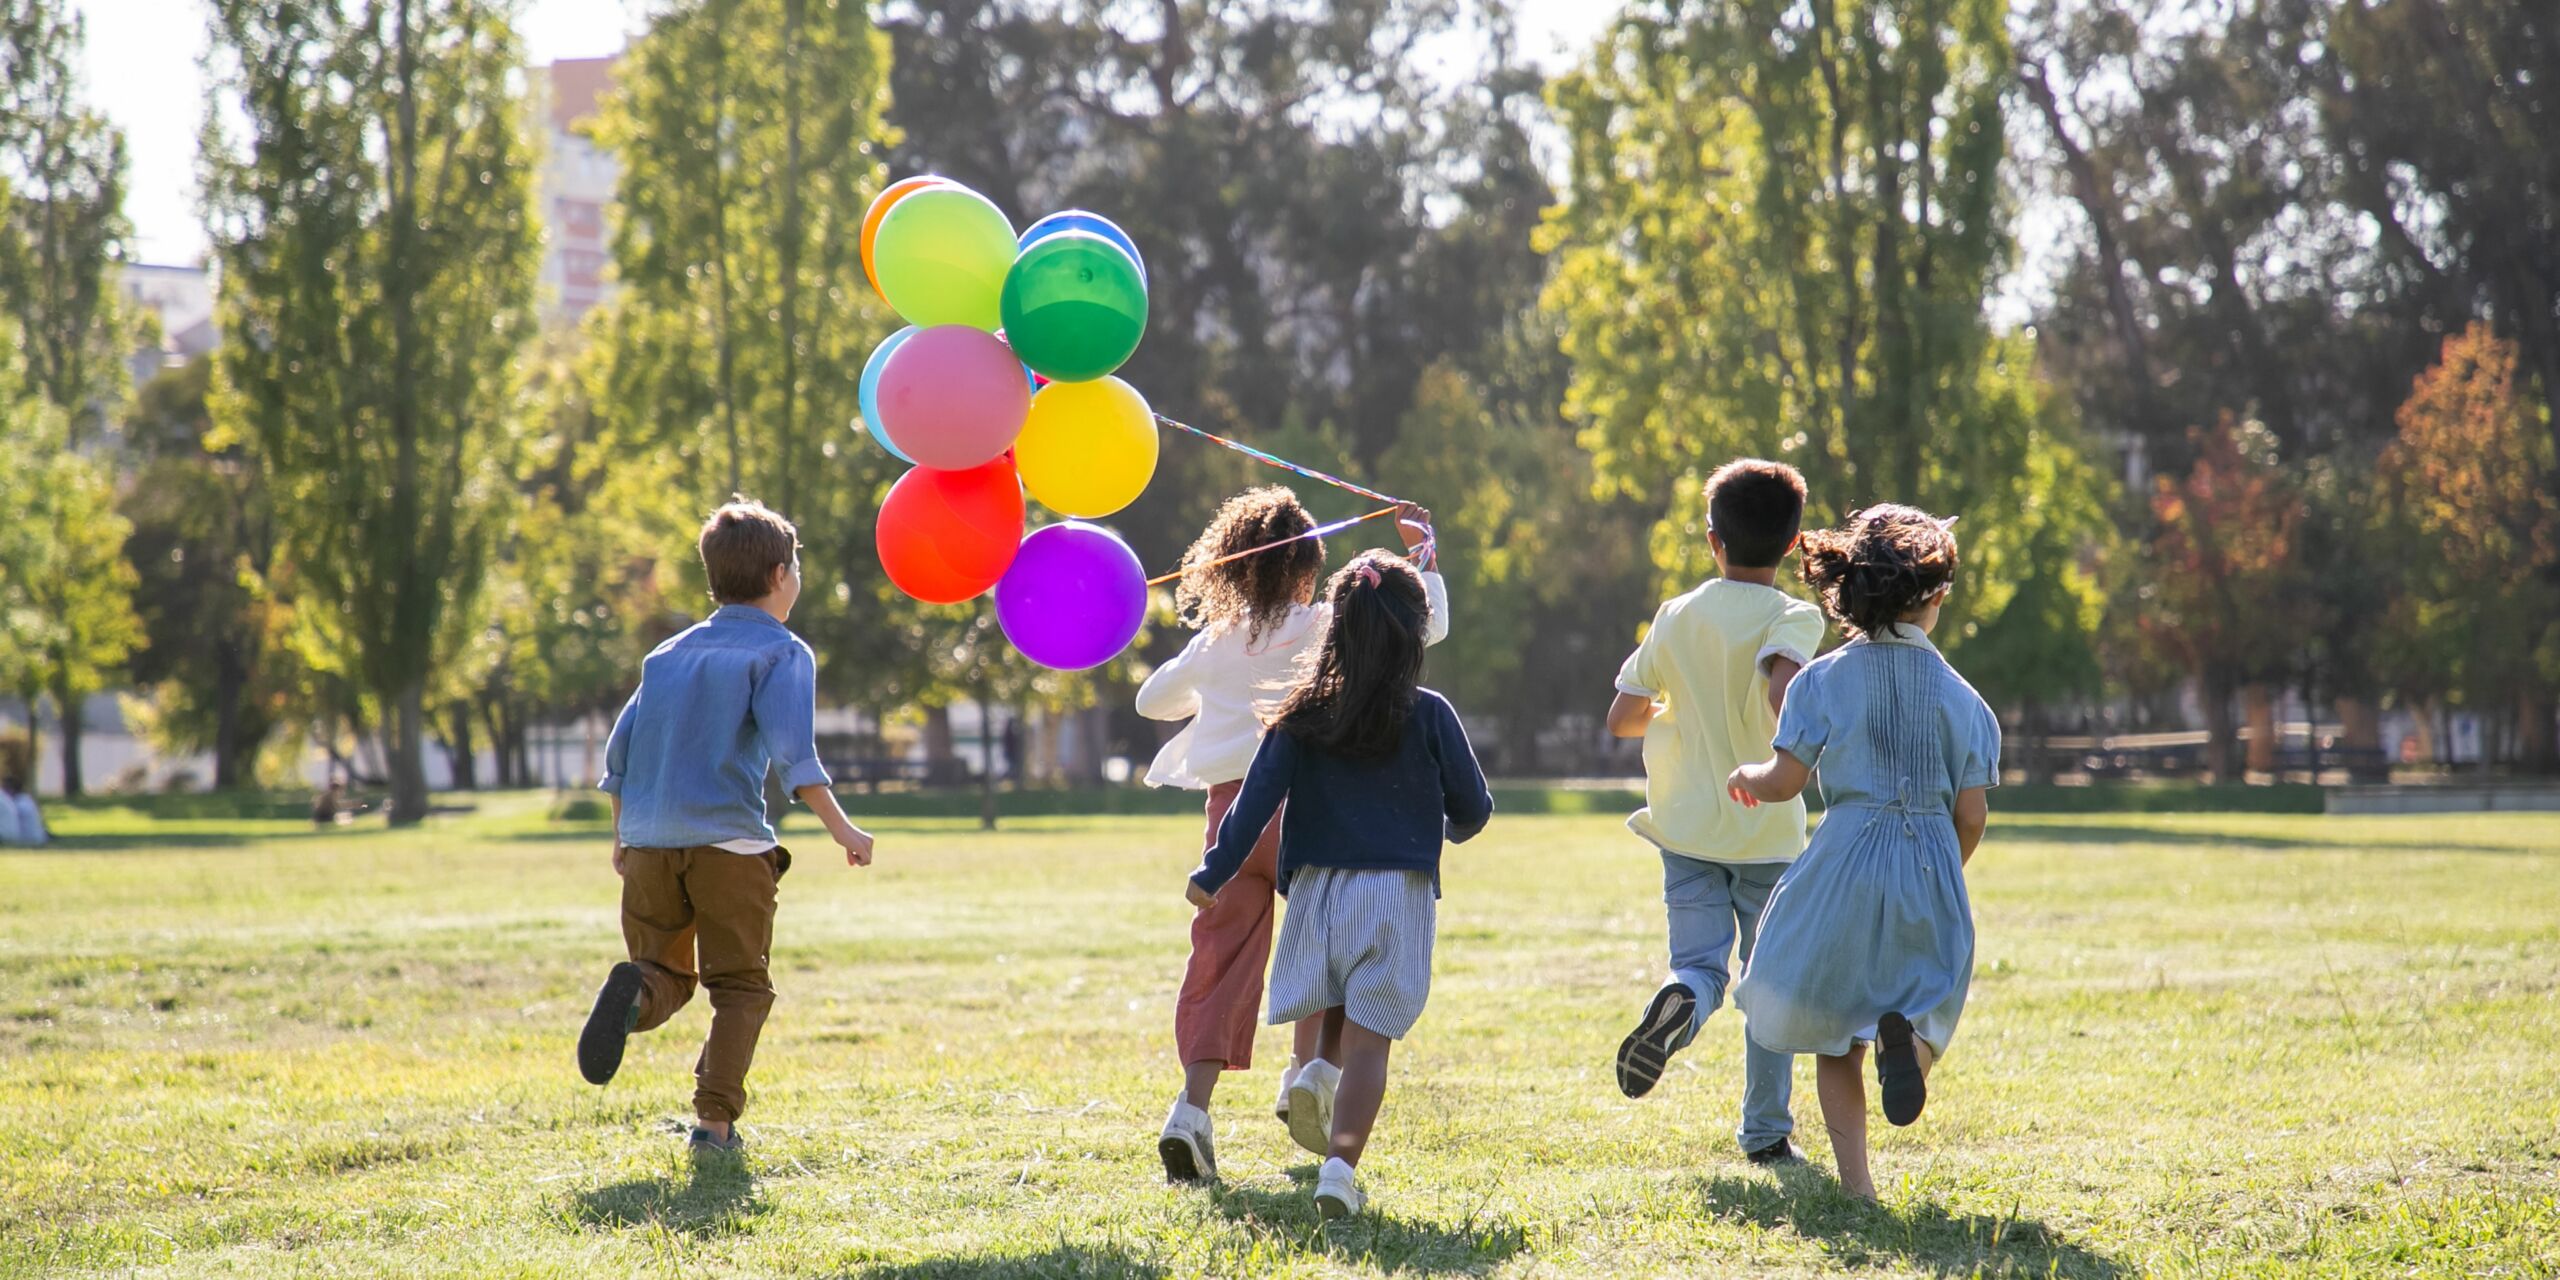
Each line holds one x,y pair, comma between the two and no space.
1706,662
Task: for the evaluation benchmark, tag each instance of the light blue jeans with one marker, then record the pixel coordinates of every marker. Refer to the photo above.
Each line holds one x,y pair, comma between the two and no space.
1714,908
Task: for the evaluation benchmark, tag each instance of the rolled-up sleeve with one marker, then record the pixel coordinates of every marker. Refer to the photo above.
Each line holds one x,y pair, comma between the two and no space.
617,746
785,704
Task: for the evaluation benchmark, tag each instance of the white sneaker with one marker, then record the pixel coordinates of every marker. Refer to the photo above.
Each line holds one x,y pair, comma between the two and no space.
1338,1191
1311,1105
1280,1105
1187,1147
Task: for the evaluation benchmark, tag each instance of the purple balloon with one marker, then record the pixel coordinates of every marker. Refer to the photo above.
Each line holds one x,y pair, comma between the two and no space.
1074,597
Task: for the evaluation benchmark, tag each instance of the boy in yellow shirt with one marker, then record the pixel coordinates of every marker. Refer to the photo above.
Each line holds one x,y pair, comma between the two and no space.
1703,691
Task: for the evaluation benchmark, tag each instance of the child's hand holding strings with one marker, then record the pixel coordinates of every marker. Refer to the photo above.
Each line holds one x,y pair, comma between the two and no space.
1413,524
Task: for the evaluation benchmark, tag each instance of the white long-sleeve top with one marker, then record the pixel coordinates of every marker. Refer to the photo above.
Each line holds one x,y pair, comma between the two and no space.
1226,683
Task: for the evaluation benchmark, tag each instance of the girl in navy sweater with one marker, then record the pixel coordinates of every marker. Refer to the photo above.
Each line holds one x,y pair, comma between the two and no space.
1376,773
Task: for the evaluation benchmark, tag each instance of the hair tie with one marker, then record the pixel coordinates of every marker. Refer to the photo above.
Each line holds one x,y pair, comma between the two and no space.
1368,572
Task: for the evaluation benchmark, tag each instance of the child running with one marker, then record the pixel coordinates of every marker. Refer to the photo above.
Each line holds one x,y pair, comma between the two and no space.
1869,937
695,848
1256,627
1376,773
1703,692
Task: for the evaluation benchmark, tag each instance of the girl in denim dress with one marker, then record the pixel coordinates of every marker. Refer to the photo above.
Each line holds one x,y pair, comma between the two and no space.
1868,938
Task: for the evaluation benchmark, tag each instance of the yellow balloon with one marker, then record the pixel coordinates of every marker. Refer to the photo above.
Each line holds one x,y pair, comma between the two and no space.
1089,448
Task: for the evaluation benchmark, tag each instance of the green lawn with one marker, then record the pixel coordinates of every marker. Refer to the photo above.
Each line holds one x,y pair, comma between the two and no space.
2196,1045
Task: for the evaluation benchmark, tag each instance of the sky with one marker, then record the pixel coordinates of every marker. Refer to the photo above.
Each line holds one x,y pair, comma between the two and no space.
141,66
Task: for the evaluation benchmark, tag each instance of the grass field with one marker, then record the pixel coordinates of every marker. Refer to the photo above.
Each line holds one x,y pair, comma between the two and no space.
2197,1045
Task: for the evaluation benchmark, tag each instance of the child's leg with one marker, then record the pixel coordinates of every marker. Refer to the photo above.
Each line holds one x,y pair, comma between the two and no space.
1843,1089
1329,1029
1306,1038
733,896
1768,1076
1220,1005
1364,1087
658,930
1698,908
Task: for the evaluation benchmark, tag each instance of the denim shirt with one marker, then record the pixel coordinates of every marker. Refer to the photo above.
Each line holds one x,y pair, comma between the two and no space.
715,705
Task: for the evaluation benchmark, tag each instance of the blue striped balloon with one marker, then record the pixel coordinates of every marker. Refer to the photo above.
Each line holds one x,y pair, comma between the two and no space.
1091,223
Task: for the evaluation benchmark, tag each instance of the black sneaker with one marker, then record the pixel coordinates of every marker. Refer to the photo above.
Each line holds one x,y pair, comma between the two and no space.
1642,1055
609,1024
1898,1074
1779,1152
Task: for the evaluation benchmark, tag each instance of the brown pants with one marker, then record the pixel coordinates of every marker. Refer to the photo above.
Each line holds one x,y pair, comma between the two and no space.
1220,1005
714,907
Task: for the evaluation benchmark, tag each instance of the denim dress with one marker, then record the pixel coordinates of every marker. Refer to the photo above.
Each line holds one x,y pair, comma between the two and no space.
1874,918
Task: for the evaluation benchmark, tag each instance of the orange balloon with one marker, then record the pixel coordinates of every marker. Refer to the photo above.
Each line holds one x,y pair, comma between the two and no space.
890,195
947,536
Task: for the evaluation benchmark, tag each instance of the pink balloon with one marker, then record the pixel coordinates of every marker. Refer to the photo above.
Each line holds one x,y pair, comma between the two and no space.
953,397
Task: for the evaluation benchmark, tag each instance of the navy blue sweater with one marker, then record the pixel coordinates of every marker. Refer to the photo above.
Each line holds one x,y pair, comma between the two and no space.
1386,814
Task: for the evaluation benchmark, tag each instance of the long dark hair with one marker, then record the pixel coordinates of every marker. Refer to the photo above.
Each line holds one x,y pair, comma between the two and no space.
1253,592
1879,564
1353,701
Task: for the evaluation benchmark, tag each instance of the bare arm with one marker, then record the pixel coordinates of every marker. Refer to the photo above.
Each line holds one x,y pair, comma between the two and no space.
617,832
1782,672
1776,780
1973,814
855,842
1629,715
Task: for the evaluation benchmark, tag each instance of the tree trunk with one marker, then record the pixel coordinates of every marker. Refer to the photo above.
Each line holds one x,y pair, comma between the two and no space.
503,763
2360,733
938,755
405,749
2039,744
986,761
458,750
2265,739
35,736
232,764
66,705
2222,733
2541,755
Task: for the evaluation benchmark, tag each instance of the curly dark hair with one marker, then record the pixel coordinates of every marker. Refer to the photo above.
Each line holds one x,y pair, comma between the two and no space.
1354,699
1256,591
1879,564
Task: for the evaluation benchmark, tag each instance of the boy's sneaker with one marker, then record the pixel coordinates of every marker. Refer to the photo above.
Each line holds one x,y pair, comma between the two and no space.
1338,1191
1779,1152
1187,1147
1648,1048
1311,1105
1280,1105
609,1024
1904,1086
704,1142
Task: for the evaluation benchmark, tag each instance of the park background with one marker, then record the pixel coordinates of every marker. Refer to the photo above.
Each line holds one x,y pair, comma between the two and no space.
2228,327
365,381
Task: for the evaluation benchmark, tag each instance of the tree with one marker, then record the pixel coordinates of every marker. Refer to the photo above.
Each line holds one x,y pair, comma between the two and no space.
2469,487
66,612
61,227
1780,229
203,548
748,136
2221,588
378,249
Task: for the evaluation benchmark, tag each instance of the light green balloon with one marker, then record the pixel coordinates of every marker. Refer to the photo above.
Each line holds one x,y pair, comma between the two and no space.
942,255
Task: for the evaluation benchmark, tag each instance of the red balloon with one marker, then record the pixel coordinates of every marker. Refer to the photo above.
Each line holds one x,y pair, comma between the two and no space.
947,536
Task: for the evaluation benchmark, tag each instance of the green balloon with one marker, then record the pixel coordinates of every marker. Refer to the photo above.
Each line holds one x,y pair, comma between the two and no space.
1074,306
942,254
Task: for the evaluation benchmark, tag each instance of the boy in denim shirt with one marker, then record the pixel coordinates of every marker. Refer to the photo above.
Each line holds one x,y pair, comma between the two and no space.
692,841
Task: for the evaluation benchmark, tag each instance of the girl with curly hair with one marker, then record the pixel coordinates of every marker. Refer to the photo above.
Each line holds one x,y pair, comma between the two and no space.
1258,623
1868,938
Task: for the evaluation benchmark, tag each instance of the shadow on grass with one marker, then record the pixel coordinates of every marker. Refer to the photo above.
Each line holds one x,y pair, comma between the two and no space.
1924,1236
718,1199
1066,1262
2137,834
1384,1241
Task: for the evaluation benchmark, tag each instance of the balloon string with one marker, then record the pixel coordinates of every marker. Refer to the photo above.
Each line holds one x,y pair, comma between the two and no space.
1282,463
1317,532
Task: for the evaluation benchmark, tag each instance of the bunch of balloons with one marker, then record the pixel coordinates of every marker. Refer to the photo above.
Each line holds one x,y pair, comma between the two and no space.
1000,384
